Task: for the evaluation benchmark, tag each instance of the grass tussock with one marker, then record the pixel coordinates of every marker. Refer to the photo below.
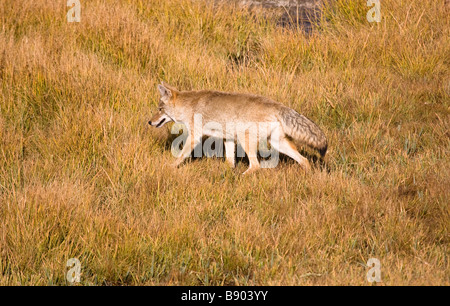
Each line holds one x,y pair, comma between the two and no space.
83,176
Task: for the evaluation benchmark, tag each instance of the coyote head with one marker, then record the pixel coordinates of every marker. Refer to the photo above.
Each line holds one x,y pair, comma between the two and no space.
165,112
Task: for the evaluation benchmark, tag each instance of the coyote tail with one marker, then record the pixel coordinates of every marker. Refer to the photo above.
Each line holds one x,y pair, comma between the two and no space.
303,130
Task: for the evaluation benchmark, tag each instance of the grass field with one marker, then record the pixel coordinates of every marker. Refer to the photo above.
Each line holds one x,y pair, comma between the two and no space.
83,176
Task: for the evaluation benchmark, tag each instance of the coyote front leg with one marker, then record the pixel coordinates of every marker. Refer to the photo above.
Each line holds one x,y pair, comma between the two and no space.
191,143
250,146
229,151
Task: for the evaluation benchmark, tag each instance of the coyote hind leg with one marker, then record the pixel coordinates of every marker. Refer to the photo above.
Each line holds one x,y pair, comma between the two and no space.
286,147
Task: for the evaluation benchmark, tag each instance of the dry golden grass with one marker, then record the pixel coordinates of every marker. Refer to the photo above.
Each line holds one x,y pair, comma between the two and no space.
83,176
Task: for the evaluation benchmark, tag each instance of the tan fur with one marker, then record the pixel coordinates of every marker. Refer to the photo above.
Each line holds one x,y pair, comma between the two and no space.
225,108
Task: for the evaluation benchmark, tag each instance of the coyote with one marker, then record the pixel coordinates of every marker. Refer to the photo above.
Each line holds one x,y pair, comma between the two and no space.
238,109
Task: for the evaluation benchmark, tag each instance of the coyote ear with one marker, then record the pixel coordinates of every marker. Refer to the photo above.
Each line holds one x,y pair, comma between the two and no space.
166,93
173,89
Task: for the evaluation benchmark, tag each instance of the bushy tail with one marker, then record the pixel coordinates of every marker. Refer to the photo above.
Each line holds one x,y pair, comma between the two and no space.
303,130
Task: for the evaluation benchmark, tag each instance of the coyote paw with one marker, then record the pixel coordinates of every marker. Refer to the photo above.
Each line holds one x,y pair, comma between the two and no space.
306,167
250,170
175,165
231,163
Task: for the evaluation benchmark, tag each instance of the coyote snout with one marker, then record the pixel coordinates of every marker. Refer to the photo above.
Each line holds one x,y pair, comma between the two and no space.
242,112
159,119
